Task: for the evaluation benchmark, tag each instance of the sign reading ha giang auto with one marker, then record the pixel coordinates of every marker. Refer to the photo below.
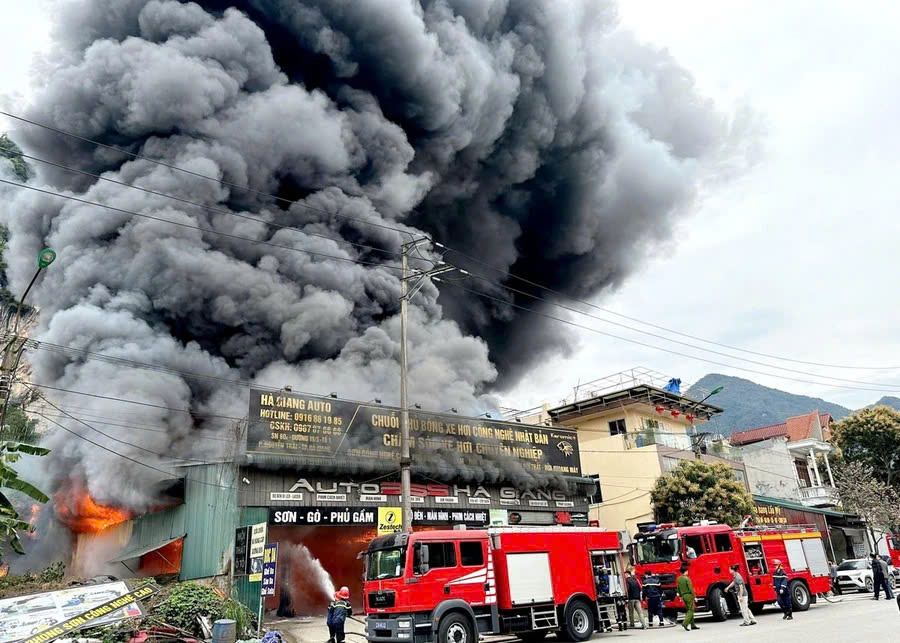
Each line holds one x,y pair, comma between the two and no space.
329,429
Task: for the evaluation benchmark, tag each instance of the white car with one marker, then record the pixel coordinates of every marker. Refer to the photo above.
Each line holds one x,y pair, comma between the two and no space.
856,573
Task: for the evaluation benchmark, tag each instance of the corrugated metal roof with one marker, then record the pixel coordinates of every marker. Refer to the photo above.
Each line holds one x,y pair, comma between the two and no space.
137,552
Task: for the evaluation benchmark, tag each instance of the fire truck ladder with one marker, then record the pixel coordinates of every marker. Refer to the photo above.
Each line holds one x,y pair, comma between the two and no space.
543,618
788,529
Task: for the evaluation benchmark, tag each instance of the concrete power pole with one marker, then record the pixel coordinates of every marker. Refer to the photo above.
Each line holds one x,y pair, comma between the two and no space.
407,293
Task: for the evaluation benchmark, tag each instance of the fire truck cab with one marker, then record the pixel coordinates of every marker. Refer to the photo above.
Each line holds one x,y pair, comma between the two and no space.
452,586
711,549
889,548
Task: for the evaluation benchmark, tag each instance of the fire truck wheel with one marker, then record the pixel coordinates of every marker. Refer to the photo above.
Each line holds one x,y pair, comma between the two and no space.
800,596
532,637
579,625
757,608
718,605
455,628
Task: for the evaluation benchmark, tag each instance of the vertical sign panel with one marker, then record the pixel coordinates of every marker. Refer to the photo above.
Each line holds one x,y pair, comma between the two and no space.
241,550
257,549
270,561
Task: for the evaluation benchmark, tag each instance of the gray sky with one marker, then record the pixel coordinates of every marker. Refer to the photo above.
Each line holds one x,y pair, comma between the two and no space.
798,257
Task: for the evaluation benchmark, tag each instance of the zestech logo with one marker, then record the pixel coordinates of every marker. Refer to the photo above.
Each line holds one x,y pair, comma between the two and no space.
390,520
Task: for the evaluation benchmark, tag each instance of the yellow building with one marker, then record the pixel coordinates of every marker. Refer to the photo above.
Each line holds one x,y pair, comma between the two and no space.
628,438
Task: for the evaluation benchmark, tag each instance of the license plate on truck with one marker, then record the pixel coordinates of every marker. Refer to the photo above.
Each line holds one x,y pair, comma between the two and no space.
381,625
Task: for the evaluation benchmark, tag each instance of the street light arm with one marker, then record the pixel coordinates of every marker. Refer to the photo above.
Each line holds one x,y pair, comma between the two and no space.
22,299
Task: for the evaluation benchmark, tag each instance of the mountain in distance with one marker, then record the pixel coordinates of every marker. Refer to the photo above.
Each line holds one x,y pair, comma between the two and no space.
749,405
887,400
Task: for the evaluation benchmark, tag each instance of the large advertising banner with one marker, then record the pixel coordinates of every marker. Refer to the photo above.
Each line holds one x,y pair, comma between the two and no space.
331,430
24,616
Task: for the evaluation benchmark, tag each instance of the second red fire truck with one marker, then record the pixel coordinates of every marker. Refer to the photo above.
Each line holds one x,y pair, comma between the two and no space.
711,550
453,586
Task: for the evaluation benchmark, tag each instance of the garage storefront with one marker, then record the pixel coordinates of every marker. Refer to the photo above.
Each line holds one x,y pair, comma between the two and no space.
324,474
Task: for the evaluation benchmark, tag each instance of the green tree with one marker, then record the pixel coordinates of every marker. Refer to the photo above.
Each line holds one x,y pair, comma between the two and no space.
10,522
871,437
698,490
13,153
19,427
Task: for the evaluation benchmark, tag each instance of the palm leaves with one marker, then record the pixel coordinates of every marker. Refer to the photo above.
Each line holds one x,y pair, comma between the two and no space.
10,523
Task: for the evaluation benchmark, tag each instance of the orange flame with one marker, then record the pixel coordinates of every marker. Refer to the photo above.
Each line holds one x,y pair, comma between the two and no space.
35,516
82,514
165,560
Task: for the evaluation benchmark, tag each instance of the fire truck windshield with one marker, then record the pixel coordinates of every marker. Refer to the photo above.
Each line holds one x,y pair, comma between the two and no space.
656,549
385,563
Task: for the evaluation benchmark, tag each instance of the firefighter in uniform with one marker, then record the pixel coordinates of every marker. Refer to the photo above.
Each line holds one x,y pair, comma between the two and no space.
783,591
653,596
337,615
685,589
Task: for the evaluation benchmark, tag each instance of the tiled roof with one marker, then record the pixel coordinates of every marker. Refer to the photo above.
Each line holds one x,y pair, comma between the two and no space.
794,429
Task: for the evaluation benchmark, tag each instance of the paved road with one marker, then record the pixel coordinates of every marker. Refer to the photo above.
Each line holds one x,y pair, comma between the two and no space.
856,618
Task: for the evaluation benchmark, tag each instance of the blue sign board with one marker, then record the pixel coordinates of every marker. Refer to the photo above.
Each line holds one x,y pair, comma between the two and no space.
270,560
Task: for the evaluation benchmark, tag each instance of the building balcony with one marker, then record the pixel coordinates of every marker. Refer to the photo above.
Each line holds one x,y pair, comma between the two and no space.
651,438
823,496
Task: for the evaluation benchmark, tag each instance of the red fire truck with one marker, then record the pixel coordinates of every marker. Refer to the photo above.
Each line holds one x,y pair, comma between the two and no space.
889,548
452,586
711,550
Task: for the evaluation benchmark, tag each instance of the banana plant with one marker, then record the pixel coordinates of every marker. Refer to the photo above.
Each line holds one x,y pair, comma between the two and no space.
10,522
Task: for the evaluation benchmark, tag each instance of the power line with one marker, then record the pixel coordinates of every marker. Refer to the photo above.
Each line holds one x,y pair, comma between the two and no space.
207,207
200,228
668,339
121,455
668,330
126,401
204,176
659,348
440,245
100,420
114,439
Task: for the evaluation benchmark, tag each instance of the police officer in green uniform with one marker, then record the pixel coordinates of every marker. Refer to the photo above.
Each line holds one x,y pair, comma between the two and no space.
685,589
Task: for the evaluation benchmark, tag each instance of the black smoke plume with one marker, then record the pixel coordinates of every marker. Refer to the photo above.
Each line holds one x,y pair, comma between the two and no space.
534,135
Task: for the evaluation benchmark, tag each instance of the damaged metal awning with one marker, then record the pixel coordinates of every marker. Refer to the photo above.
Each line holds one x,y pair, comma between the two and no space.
137,552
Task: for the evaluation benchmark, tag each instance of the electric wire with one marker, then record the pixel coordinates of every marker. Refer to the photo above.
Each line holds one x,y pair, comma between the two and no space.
668,330
115,439
210,208
204,176
660,348
668,339
446,248
200,228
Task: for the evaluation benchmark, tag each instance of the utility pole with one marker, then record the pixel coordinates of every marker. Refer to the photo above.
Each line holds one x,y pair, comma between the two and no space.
407,293
12,352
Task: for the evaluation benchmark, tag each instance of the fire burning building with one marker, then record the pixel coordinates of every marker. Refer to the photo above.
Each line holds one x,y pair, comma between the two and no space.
319,473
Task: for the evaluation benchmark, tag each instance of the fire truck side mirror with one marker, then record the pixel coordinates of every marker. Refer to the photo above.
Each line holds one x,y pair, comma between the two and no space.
420,559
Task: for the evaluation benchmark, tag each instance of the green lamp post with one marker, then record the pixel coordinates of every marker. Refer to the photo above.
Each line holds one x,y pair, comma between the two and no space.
45,258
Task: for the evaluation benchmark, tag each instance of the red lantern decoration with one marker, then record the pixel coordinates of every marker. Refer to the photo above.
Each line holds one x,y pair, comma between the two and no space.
675,414
660,409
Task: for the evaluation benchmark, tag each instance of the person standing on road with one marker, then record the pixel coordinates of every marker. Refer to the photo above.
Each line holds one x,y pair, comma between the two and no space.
737,584
633,593
782,591
653,596
685,589
832,571
880,573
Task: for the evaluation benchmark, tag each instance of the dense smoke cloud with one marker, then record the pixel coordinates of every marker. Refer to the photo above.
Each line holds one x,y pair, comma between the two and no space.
533,135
